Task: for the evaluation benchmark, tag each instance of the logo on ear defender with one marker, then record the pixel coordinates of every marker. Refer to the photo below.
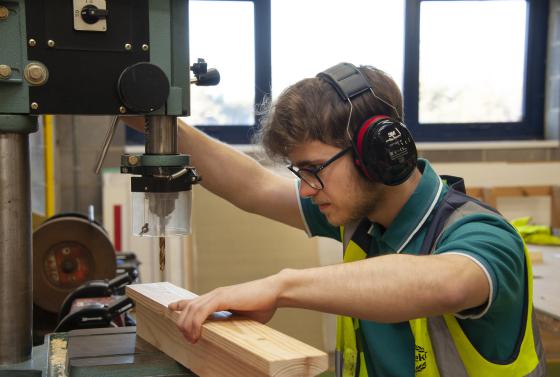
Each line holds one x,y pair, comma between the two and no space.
393,135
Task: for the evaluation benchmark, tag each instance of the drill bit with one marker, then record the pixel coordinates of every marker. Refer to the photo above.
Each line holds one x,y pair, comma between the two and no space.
162,253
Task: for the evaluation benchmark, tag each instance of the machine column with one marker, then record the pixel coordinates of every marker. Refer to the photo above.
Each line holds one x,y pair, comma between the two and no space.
15,239
161,135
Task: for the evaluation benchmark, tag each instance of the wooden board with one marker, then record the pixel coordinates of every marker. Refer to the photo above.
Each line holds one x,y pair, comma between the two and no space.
229,346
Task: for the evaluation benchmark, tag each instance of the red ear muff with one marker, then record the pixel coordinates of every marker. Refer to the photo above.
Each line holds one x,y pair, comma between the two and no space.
359,143
384,150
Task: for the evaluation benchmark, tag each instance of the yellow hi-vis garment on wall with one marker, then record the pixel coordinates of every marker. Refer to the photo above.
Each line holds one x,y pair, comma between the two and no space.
441,338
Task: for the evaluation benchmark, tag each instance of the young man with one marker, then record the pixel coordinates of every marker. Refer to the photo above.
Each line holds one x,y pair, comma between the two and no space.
433,284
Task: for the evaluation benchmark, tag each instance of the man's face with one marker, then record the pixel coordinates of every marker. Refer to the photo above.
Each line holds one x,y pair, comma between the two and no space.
346,195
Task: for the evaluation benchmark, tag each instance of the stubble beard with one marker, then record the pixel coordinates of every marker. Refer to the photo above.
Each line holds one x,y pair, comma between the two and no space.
365,201
368,198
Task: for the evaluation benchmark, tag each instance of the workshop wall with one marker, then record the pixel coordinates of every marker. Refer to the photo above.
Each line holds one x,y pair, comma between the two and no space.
78,142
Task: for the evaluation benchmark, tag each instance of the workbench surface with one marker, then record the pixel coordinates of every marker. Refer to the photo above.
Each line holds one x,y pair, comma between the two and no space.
546,281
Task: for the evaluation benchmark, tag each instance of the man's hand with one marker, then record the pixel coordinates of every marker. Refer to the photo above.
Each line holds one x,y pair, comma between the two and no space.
256,299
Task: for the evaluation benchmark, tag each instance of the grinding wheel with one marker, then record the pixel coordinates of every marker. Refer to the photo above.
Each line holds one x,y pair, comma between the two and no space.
68,250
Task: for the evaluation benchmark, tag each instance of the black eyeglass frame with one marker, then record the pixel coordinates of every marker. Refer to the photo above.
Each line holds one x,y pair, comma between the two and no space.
315,171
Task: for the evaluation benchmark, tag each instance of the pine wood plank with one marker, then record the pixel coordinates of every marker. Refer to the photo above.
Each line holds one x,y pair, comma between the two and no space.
229,346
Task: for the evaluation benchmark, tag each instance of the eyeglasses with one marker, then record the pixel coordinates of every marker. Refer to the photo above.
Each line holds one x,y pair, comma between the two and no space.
311,175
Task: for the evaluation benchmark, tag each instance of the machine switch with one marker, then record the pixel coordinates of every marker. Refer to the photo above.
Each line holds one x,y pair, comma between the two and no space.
91,14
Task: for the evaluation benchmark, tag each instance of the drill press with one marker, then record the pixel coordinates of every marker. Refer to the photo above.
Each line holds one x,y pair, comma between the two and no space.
89,57
161,199
161,202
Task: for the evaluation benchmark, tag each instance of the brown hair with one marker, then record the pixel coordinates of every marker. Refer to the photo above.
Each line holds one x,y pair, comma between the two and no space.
312,110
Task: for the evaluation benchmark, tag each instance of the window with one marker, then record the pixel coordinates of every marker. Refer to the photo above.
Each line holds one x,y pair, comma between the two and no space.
475,69
469,70
232,51
293,39
312,35
229,35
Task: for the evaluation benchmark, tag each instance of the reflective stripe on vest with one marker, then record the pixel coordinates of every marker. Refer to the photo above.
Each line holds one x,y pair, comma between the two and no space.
347,353
442,336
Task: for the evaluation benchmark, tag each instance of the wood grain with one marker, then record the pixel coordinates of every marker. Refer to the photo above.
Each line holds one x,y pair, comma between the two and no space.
229,346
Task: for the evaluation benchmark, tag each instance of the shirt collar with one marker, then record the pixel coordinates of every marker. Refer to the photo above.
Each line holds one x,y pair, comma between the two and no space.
416,210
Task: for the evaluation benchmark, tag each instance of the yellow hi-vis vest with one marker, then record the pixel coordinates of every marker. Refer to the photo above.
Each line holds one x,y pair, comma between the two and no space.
441,346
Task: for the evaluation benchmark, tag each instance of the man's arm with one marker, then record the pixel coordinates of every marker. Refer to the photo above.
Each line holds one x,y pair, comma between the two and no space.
390,288
236,177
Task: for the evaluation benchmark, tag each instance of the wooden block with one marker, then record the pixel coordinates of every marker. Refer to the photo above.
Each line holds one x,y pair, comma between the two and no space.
229,346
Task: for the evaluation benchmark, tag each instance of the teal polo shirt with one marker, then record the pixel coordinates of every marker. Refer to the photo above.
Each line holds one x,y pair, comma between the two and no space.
488,240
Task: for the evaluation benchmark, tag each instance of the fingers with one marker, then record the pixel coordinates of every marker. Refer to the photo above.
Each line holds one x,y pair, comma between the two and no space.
193,314
248,298
178,305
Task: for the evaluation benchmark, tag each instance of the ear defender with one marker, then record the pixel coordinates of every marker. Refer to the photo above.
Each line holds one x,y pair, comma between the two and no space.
384,150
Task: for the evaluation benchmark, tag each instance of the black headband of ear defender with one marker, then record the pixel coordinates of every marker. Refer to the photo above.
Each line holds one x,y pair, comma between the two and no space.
347,80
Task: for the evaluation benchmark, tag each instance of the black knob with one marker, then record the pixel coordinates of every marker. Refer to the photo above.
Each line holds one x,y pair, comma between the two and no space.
210,78
91,14
143,87
204,76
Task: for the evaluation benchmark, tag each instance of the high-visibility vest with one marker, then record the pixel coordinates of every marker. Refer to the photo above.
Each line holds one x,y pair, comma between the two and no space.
441,346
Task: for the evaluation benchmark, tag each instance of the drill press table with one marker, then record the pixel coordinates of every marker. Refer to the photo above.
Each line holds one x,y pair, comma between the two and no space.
107,352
